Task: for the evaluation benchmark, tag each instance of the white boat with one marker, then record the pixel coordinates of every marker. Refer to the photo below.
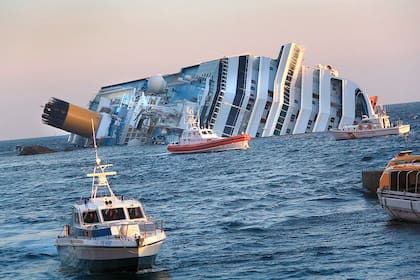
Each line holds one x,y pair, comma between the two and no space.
399,187
377,125
200,140
109,232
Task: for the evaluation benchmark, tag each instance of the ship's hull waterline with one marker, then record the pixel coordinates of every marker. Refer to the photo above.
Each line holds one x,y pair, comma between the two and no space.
239,142
97,258
346,135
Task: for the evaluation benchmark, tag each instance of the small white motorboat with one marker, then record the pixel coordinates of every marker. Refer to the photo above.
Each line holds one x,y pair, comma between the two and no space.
109,233
377,125
399,187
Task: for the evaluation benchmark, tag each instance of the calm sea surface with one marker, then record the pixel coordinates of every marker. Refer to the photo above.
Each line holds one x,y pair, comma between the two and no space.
290,207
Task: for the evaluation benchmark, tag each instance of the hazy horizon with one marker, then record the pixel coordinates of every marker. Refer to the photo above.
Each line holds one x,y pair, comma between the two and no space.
70,49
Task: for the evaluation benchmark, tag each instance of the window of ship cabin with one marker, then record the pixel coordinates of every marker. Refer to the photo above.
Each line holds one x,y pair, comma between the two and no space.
90,217
135,213
113,214
408,181
76,220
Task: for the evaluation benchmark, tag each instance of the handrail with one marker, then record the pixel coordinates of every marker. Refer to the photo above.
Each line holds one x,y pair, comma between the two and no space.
398,181
407,180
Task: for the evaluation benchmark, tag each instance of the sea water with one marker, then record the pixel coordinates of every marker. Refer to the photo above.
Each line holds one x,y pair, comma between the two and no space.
289,207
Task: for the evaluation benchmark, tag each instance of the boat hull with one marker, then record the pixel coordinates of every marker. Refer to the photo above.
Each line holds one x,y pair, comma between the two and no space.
96,257
367,133
401,205
239,142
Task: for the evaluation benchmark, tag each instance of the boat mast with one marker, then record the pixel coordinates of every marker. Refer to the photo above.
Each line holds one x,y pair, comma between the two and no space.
102,180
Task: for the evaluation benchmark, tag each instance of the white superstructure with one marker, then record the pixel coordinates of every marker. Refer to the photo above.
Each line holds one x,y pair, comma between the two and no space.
257,95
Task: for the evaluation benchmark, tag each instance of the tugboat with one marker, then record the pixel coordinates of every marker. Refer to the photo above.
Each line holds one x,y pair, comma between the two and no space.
399,187
377,125
109,233
201,140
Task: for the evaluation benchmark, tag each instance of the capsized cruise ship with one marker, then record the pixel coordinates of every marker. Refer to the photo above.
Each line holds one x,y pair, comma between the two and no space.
257,95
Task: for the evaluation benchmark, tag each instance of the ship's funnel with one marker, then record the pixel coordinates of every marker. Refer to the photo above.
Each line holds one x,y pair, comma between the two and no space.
71,118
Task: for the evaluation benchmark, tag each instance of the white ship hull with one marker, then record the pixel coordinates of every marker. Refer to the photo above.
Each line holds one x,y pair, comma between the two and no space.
346,134
96,255
403,206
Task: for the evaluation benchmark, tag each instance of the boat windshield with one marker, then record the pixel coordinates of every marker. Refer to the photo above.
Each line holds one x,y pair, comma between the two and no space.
113,214
135,213
90,217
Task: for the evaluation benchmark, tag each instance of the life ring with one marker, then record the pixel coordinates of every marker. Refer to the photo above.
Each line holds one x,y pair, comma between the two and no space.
370,126
360,127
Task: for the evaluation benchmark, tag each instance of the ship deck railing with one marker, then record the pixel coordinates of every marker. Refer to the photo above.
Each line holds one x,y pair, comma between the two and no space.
408,182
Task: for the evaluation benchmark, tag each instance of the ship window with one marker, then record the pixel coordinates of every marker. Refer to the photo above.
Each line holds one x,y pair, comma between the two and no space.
135,213
407,181
113,214
76,220
90,217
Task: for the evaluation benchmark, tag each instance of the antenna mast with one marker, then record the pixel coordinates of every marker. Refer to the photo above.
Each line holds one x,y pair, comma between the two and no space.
98,160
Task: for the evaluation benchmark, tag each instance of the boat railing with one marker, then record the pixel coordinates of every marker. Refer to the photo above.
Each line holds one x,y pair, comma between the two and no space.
411,182
146,228
407,181
398,181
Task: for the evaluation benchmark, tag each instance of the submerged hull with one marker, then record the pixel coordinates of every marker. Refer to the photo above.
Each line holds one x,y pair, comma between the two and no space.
401,205
104,255
341,134
239,142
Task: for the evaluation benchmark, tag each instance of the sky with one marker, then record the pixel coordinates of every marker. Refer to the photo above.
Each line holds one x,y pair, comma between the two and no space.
69,49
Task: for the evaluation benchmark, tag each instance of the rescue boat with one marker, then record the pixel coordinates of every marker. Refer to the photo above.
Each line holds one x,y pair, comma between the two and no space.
201,140
109,232
378,125
399,187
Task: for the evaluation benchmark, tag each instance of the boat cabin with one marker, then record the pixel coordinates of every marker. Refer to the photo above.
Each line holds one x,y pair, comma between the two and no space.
402,174
405,181
102,211
376,122
195,136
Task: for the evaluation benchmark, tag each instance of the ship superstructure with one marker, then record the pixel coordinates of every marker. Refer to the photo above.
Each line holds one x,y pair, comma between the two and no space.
260,96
